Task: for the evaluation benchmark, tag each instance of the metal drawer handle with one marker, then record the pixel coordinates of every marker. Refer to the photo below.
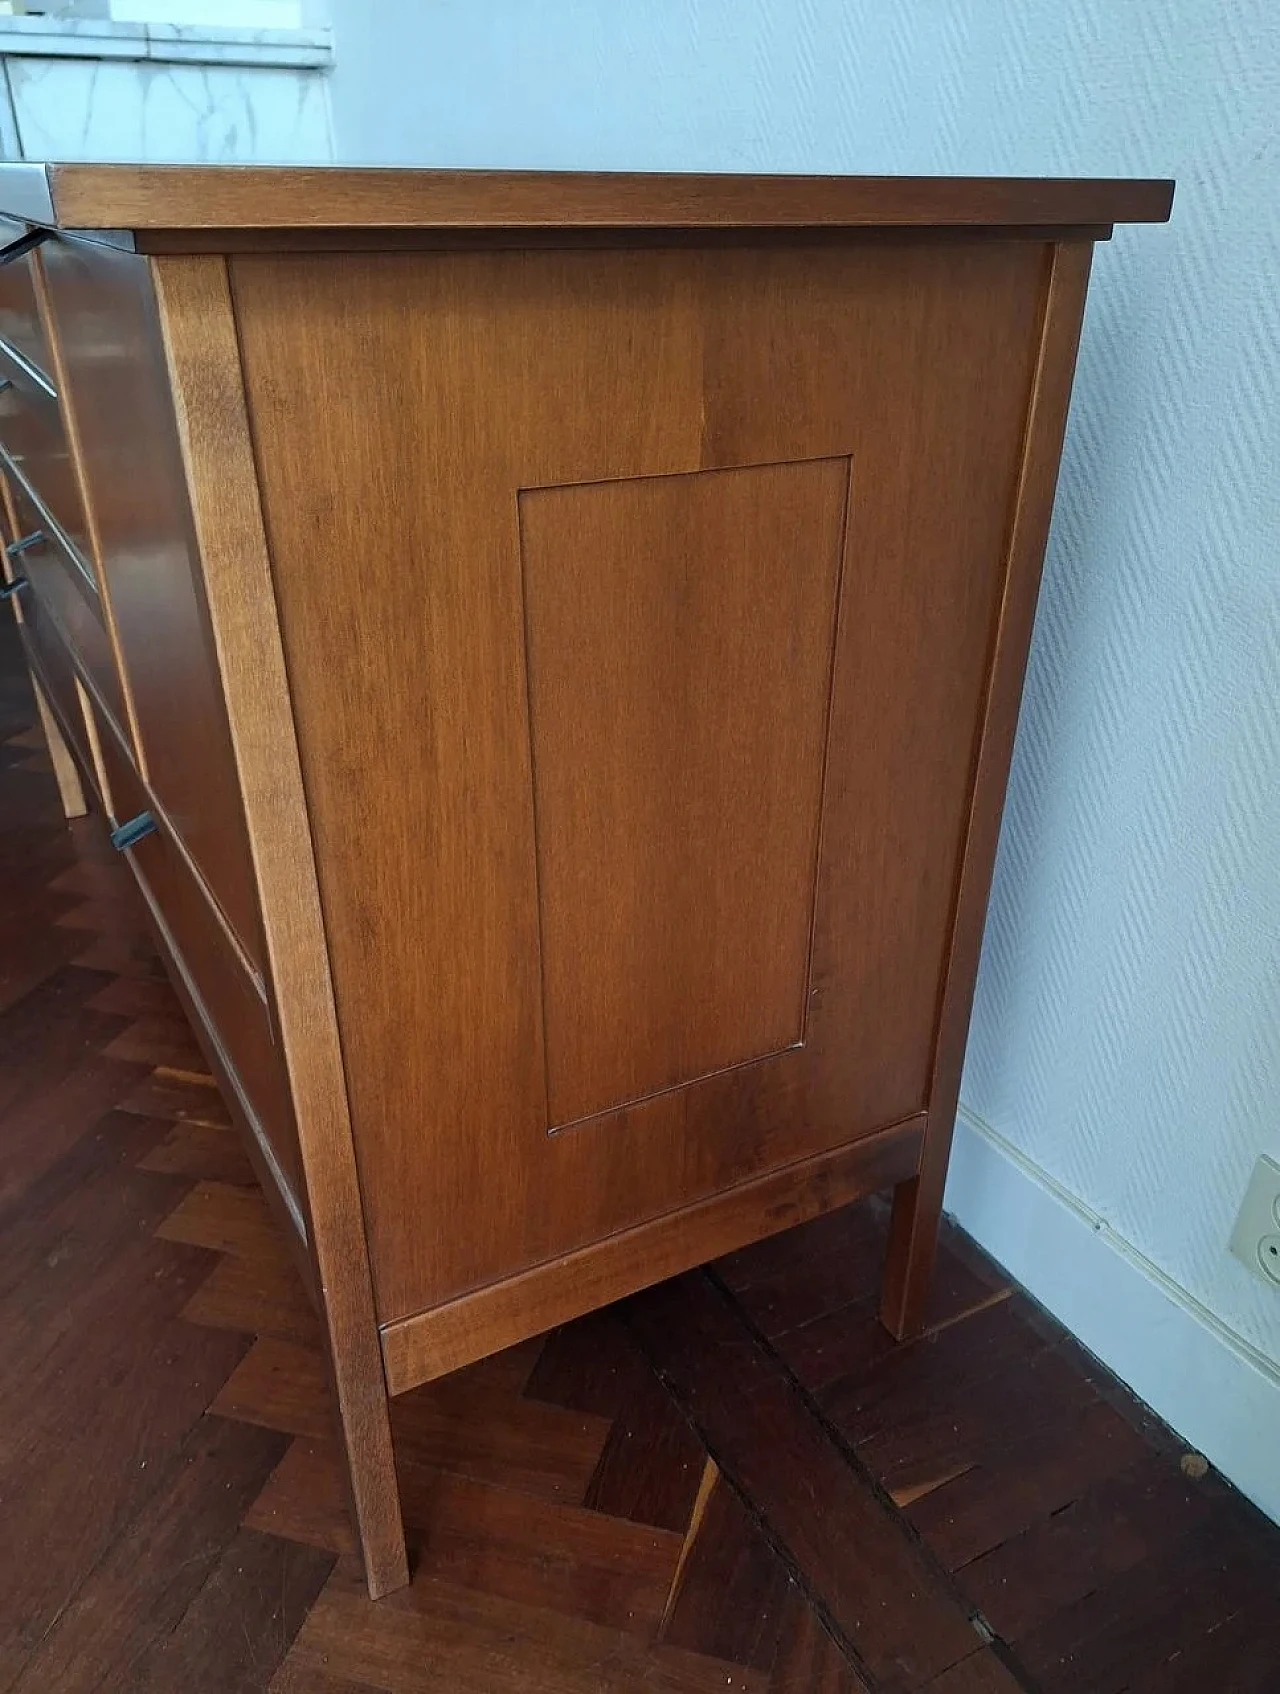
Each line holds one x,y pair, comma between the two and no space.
9,589
135,830
5,382
23,244
24,542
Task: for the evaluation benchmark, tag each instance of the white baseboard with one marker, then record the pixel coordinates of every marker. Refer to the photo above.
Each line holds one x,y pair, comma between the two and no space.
1218,1393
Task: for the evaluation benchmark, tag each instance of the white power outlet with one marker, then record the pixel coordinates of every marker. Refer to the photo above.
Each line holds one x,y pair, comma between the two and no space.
1255,1240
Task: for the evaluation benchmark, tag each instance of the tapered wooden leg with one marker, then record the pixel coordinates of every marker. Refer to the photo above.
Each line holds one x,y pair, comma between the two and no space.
364,1433
70,787
913,1244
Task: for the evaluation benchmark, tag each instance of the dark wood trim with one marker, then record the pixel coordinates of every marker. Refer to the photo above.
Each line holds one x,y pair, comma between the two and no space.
577,239
430,1344
918,1202
135,197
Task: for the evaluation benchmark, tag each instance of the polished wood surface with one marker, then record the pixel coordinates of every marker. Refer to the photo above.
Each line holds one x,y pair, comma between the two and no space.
499,1314
174,1512
21,325
31,428
505,372
52,672
918,1203
200,340
567,631
229,998
679,633
62,596
117,393
143,197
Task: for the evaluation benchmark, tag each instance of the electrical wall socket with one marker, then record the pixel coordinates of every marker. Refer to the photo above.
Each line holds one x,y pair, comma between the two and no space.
1255,1240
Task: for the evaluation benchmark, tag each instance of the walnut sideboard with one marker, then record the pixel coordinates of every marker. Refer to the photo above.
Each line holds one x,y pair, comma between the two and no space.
549,646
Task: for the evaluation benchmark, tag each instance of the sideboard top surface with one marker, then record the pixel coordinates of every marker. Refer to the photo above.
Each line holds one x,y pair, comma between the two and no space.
253,197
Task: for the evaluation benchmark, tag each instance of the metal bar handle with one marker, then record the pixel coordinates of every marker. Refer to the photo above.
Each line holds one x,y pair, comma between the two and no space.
23,244
136,829
23,542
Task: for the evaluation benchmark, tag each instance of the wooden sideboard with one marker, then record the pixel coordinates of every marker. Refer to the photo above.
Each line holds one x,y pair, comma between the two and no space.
550,648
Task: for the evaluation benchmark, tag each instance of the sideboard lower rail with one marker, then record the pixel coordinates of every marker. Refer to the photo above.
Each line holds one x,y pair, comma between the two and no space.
430,1344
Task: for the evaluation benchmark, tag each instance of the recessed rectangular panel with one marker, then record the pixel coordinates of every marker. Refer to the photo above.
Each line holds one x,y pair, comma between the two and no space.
679,634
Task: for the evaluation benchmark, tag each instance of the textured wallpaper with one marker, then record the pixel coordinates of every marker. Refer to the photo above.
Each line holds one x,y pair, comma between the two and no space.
1127,1033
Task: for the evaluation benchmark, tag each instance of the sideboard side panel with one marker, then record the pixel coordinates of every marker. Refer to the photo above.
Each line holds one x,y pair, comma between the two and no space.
423,424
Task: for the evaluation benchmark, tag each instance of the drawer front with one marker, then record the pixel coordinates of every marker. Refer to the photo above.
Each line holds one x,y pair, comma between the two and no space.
116,398
51,664
60,590
228,999
20,322
32,433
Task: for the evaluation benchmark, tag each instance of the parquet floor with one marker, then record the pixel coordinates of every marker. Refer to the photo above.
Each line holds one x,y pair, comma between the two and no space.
734,1482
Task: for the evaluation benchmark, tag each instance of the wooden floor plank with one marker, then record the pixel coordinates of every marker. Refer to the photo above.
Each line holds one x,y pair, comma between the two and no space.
984,1672
258,1296
651,1464
1029,1478
733,1588
808,1659
203,1151
434,1638
1108,1529
239,1627
281,1386
43,1128
157,1041
165,1096
516,1443
226,1218
592,1365
1170,1605
139,1591
854,1557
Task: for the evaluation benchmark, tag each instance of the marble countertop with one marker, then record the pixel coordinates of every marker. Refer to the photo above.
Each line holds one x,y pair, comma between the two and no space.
202,44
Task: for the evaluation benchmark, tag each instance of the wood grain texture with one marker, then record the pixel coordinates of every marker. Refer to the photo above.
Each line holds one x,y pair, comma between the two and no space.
102,313
32,430
133,197
65,769
679,633
21,324
747,1415
193,1569
456,1332
62,594
201,347
918,1203
229,1000
478,376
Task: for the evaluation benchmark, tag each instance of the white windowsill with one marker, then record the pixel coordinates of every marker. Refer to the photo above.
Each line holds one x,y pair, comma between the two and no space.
201,44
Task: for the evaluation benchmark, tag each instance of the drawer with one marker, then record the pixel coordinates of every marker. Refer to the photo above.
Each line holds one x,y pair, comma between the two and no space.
32,433
51,665
102,313
21,324
227,998
60,590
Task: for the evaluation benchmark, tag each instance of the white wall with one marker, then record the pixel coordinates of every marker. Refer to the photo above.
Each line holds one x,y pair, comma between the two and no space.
1124,1067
